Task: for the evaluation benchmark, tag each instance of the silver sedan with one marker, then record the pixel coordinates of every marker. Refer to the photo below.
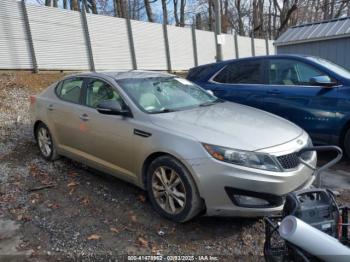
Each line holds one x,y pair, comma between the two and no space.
192,152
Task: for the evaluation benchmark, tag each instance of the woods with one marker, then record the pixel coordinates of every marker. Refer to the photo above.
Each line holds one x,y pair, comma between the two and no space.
261,18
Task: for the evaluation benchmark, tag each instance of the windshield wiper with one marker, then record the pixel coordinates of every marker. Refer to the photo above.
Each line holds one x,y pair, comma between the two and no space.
209,103
164,110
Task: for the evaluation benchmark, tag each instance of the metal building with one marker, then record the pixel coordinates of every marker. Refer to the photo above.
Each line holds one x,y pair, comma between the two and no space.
328,39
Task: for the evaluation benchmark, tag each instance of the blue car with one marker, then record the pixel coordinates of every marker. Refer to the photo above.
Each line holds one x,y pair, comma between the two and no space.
310,91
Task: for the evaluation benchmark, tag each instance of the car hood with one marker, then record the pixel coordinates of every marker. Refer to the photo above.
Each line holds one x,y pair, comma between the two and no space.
230,125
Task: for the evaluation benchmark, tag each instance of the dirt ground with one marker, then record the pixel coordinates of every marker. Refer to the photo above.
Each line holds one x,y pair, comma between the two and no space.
63,210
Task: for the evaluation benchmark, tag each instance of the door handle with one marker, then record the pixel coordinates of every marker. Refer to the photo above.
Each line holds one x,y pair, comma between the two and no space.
50,107
274,92
84,117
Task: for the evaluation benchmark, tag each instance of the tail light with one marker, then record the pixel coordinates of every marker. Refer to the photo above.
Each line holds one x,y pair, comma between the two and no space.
32,100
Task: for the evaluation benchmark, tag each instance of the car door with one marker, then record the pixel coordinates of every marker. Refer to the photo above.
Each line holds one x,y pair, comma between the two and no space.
64,115
293,97
241,82
107,138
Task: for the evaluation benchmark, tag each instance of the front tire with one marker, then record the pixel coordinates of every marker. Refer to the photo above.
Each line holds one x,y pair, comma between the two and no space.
172,191
347,143
45,142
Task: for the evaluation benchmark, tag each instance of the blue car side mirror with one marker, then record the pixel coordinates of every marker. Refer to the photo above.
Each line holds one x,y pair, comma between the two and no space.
322,80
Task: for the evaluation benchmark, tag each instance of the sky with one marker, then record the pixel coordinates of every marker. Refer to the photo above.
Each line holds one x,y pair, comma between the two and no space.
156,7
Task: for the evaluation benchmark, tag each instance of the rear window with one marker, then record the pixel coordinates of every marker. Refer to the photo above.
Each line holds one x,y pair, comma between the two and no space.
198,73
244,72
70,89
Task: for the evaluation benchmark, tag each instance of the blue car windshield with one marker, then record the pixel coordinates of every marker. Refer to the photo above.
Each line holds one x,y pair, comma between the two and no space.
331,66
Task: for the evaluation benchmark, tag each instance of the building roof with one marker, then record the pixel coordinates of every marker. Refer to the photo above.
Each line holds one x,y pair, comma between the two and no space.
330,29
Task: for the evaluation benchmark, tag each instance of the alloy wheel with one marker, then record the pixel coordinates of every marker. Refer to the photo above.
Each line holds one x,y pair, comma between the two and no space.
44,141
168,190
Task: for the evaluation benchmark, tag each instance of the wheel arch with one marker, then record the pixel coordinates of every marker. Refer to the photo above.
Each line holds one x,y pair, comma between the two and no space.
343,132
154,156
35,127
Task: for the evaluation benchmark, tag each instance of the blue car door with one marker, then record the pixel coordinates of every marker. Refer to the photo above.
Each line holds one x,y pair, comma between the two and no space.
292,96
241,82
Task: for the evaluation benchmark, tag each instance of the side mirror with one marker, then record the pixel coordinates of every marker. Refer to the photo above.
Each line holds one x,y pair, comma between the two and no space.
323,80
210,92
112,107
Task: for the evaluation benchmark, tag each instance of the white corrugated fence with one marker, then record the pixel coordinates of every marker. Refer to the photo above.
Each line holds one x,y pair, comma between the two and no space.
45,38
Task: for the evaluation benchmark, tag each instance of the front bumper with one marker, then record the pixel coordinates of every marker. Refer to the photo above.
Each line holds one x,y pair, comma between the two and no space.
213,176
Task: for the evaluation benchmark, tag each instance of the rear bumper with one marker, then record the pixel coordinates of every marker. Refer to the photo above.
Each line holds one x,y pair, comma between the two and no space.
214,177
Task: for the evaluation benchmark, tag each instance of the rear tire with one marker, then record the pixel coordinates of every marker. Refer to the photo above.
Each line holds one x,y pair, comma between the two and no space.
172,191
346,144
45,143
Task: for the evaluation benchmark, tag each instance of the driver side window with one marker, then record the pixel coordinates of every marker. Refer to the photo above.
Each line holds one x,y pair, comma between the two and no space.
291,72
98,91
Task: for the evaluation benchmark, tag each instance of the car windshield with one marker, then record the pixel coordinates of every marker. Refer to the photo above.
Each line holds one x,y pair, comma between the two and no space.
331,66
162,94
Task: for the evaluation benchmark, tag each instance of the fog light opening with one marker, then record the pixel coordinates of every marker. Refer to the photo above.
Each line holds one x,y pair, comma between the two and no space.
250,201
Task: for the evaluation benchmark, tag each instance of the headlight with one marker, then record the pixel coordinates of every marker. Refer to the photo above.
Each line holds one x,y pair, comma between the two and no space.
308,154
243,158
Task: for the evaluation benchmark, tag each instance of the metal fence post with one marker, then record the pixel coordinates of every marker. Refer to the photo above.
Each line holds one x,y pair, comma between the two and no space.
29,36
167,48
87,39
267,45
253,44
236,46
194,42
131,41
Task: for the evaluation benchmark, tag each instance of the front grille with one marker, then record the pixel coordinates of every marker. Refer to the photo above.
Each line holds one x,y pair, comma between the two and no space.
289,161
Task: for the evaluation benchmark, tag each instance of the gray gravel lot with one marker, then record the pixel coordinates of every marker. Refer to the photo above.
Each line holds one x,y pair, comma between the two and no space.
83,213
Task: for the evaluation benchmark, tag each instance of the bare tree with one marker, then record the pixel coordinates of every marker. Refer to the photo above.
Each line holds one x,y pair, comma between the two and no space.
165,12
149,11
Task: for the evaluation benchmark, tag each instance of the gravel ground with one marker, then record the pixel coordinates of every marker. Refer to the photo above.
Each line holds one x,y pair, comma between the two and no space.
64,210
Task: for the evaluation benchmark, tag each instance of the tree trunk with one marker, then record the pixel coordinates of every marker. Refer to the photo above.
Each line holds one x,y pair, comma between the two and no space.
75,5
149,11
86,7
176,17
199,21
93,6
182,13
225,17
210,15
165,12
240,17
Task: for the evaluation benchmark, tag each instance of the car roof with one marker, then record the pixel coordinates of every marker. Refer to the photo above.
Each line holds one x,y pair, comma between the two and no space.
118,75
257,57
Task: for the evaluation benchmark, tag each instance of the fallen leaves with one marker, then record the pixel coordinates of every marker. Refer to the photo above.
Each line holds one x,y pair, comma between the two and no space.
53,205
72,184
141,198
132,217
73,173
40,175
23,217
156,250
114,230
34,198
94,237
85,201
143,242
